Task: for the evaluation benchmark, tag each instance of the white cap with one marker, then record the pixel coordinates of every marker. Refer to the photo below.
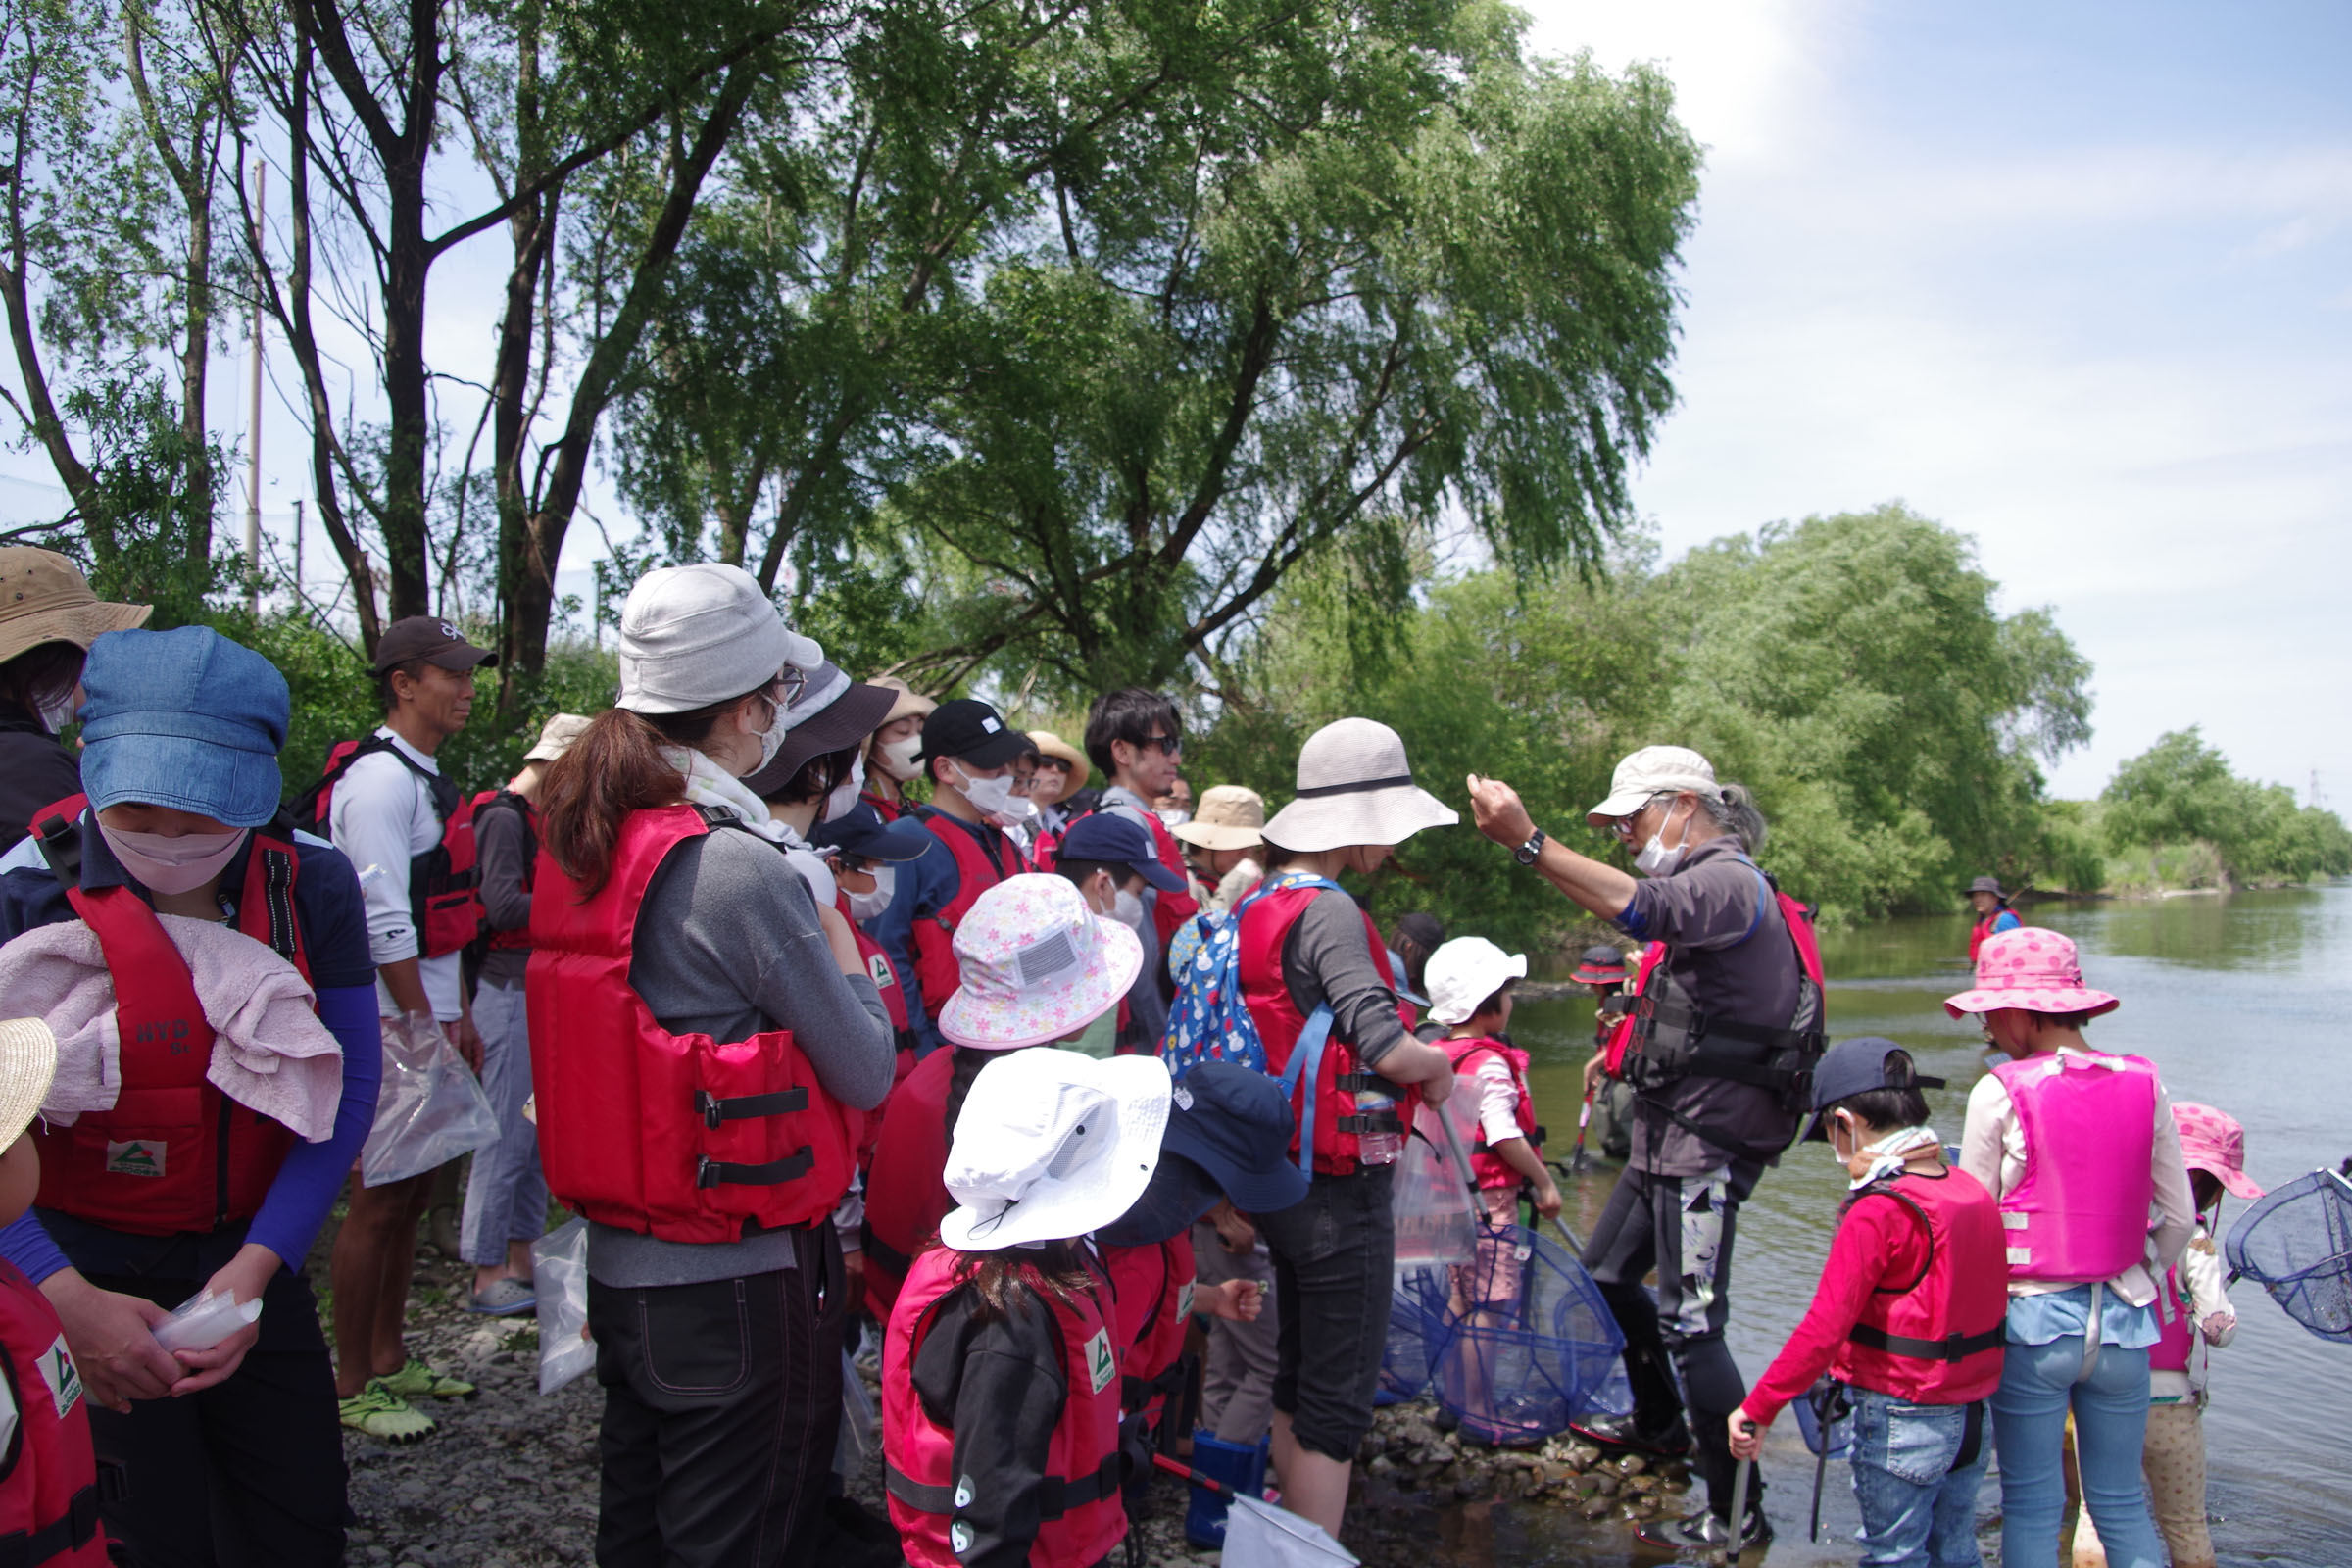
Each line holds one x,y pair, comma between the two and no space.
555,737
1651,771
1466,971
1052,1144
691,636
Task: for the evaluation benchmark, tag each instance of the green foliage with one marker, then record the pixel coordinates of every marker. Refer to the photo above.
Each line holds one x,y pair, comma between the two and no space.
148,514
2181,790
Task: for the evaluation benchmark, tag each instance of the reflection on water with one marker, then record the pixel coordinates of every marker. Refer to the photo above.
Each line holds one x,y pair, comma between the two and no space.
2243,1002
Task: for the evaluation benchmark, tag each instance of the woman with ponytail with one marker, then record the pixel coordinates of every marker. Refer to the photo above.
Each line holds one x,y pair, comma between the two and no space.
701,1090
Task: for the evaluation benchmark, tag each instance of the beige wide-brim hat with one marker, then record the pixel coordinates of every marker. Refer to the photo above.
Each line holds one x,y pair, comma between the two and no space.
1228,817
1650,772
44,600
1053,746
1354,787
555,737
28,1062
910,703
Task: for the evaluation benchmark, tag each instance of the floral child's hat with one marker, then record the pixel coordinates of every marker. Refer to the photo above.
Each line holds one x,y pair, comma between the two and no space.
2033,969
1037,964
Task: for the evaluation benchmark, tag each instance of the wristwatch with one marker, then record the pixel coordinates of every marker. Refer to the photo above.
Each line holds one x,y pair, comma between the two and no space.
1526,852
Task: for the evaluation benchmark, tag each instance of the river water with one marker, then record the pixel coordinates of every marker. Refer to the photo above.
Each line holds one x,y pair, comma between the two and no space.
2244,1001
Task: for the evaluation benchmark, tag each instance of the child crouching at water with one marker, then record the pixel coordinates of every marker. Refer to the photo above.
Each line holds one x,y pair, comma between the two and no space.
1001,1370
1908,1314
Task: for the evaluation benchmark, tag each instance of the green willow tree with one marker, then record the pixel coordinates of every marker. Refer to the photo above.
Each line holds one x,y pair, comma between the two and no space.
1109,333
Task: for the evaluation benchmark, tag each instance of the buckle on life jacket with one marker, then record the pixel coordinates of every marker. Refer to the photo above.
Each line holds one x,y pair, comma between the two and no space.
1953,1347
741,1108
709,1172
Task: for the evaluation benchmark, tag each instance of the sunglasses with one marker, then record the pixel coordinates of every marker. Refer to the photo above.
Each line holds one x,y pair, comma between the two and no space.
1169,745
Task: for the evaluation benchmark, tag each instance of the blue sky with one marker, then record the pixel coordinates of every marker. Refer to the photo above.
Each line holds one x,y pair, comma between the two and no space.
2076,280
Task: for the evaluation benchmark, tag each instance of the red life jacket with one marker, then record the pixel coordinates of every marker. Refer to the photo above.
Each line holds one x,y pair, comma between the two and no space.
1485,1164
505,799
1265,925
676,1136
887,811
175,1153
1669,1039
444,882
49,1479
905,1195
893,1002
1620,1031
937,975
1082,1515
1937,1339
1151,1290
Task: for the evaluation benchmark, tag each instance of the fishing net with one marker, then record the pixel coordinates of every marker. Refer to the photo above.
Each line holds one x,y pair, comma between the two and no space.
1519,1339
2298,1244
1404,1358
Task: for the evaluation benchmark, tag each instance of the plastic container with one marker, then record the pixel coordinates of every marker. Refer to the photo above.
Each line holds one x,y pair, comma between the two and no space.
1376,1148
202,1321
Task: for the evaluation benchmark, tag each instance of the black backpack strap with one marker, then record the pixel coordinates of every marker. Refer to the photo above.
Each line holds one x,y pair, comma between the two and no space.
60,841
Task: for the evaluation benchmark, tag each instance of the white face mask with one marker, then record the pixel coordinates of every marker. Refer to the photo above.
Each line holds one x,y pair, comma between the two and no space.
1175,817
1655,859
898,757
992,799
164,863
58,712
771,738
845,794
868,906
1128,911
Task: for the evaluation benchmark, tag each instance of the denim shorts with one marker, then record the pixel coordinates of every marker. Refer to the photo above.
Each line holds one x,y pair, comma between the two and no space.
1916,1508
1334,1252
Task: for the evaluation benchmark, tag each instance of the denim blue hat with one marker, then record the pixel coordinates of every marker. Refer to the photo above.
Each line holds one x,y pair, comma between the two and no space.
184,719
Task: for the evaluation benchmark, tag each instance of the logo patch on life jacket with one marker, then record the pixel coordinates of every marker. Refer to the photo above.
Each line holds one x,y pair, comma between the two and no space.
141,1156
878,966
61,1375
1100,1364
1184,1298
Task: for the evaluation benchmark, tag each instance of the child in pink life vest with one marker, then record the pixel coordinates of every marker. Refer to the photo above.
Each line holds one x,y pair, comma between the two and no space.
1470,994
49,1482
1908,1314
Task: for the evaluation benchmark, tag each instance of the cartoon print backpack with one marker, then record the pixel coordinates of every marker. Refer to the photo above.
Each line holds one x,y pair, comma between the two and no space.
1208,1021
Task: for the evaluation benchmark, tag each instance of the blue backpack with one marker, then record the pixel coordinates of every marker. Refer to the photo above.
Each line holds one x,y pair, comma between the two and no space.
1208,1021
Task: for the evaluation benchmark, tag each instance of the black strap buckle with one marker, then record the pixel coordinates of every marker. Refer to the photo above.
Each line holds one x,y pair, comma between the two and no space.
709,1172
741,1108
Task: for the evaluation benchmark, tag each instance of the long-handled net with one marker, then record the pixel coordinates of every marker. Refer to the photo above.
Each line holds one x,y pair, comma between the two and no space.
2297,1243
1519,1339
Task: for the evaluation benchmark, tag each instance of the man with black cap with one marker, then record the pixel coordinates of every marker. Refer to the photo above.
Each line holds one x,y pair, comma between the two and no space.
384,802
968,752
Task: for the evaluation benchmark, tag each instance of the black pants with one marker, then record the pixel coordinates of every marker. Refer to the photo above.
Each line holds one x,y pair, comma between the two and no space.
248,1472
721,1404
1335,1253
1684,1226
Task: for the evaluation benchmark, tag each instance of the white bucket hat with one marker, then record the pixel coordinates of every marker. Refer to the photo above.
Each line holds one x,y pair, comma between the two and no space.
1036,965
1466,971
1354,787
1052,1144
1649,772
691,636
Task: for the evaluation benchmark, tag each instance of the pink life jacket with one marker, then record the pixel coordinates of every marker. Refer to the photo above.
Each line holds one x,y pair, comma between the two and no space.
2080,1212
2175,1325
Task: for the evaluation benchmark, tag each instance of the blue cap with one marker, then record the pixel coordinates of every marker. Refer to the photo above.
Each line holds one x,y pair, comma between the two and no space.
184,719
860,831
1855,1067
1113,840
1228,1134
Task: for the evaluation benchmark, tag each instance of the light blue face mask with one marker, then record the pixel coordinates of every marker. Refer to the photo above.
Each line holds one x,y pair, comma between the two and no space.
1099,1039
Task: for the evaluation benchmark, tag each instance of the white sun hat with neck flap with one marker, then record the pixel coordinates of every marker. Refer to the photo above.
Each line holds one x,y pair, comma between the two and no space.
1052,1144
1354,787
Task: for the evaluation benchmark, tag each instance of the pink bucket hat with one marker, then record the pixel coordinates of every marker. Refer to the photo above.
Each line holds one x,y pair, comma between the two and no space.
2031,969
1037,965
2212,1141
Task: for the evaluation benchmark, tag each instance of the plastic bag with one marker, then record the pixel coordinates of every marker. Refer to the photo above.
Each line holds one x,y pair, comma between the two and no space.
560,1272
861,1432
1260,1536
431,1109
1431,1207
204,1320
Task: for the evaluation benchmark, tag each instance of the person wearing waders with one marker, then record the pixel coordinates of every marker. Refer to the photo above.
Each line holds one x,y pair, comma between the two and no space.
1726,1020
2081,1152
695,1008
202,901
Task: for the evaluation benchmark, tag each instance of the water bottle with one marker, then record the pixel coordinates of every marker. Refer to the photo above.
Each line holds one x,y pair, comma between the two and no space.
1377,1149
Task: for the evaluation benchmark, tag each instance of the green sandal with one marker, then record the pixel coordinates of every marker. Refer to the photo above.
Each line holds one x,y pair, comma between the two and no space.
379,1413
416,1381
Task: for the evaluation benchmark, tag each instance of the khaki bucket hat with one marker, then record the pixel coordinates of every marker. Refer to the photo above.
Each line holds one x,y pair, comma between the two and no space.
44,600
1071,757
1228,817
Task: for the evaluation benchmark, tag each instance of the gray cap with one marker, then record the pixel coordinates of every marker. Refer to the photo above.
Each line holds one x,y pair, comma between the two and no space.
691,636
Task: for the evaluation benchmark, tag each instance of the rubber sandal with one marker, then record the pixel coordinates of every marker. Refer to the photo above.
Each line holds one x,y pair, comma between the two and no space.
416,1381
504,1299
380,1413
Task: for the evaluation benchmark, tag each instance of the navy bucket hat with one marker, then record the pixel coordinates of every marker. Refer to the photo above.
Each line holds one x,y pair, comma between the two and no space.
184,719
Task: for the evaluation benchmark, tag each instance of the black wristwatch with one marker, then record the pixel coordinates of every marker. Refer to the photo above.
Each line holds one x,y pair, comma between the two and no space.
1526,852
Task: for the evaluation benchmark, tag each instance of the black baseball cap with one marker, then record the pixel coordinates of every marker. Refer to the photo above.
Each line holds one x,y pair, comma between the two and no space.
860,831
432,639
970,731
1855,1067
1113,840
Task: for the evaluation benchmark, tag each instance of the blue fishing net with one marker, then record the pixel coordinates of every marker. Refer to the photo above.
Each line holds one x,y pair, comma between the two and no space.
1519,1339
1404,1358
2297,1243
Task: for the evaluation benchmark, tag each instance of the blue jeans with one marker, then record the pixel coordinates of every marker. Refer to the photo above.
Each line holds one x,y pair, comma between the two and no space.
506,1197
2111,1420
1917,1510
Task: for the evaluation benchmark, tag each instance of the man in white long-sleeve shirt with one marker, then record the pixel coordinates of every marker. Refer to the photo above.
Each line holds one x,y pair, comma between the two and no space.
388,814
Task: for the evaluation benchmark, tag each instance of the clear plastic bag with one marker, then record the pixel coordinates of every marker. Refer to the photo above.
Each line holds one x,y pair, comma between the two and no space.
431,1109
1429,1205
560,1277
204,1320
860,1436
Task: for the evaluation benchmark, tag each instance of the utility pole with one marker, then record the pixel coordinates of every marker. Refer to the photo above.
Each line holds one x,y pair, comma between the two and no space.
253,480
298,551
